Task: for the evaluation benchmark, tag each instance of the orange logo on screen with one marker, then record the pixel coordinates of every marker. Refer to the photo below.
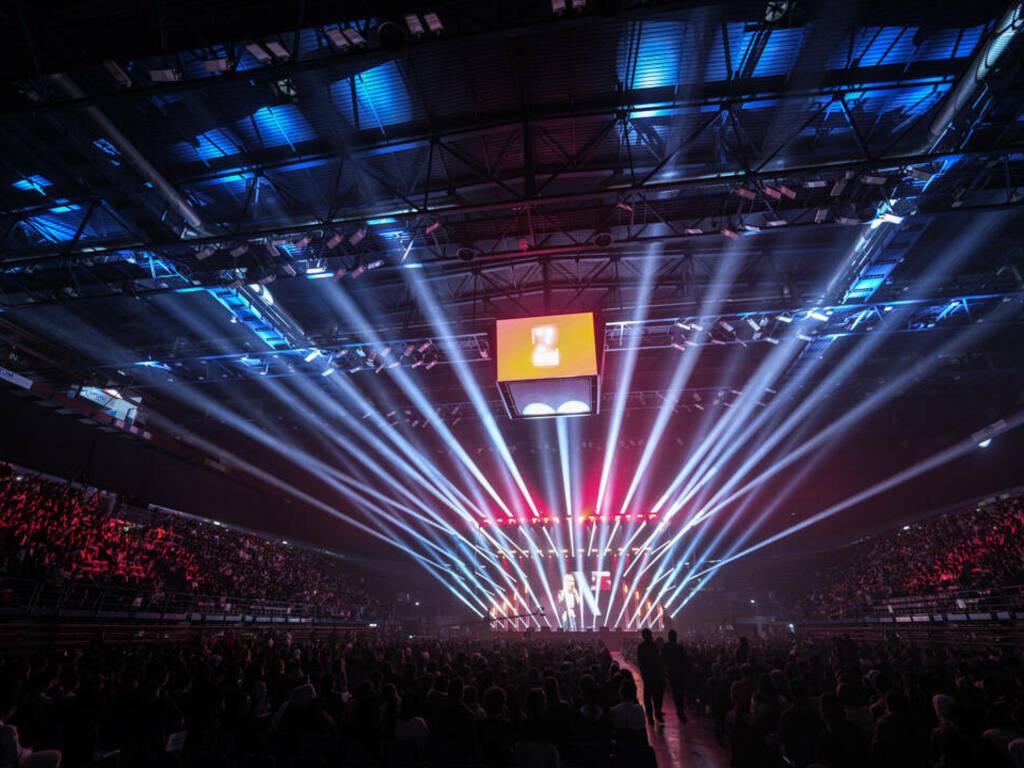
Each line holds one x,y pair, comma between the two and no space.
549,347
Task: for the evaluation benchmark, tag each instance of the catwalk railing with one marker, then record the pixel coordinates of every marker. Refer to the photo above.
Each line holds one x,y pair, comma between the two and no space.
23,598
995,604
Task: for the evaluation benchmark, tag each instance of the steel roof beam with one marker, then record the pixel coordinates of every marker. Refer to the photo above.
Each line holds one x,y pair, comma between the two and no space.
609,194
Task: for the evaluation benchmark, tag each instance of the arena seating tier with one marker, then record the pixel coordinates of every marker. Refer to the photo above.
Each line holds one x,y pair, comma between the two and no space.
977,548
55,532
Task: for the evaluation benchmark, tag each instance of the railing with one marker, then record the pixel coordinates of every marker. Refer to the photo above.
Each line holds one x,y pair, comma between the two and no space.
39,598
996,604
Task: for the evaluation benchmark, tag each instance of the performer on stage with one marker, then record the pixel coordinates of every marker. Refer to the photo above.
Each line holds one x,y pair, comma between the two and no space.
568,598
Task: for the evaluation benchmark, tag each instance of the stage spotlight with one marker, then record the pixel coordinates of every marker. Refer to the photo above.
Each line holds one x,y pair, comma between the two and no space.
572,406
338,38
164,75
118,74
985,443
311,356
261,54
538,409
433,22
354,36
218,65
412,21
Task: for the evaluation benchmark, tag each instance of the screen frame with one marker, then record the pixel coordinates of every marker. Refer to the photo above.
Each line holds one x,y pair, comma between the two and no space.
600,329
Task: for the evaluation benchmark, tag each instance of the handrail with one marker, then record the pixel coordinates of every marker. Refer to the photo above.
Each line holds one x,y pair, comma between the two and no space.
994,600
83,598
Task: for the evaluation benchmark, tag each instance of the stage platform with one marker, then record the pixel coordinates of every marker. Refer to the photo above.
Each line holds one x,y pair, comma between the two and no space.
611,637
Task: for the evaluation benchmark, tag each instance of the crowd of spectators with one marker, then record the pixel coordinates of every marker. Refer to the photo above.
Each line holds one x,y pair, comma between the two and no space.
57,532
981,547
840,704
343,700
268,701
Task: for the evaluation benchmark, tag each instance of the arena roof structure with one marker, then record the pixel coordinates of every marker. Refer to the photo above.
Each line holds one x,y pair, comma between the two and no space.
284,232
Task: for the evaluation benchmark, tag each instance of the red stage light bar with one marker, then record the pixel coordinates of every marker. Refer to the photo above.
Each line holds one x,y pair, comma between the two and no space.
586,519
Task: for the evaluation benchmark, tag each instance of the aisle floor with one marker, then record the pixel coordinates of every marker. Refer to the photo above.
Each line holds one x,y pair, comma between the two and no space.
676,745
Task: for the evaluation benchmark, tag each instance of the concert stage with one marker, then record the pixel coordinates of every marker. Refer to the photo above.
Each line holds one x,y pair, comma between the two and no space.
612,638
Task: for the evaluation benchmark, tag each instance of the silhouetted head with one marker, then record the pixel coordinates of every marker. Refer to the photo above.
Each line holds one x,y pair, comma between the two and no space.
672,636
645,633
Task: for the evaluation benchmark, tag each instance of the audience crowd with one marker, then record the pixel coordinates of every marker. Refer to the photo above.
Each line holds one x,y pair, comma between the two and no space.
343,700
981,547
840,704
54,531
271,701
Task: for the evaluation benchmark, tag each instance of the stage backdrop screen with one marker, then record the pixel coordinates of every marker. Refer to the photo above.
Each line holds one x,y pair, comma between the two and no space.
546,347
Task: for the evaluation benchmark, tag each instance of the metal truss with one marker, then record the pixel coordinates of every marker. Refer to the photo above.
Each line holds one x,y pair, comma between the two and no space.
556,258
322,356
627,183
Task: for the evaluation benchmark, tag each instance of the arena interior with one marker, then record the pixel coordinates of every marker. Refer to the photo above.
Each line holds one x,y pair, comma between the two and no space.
511,384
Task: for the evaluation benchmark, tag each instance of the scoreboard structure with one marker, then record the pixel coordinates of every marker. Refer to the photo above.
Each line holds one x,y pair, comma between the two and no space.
548,366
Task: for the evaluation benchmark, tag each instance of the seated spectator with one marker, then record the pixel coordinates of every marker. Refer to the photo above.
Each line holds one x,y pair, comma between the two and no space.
840,744
495,730
13,754
627,717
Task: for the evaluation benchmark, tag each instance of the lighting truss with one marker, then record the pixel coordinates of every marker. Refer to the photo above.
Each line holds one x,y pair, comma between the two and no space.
287,346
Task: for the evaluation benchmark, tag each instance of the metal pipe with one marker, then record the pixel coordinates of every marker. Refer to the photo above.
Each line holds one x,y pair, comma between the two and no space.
133,155
982,63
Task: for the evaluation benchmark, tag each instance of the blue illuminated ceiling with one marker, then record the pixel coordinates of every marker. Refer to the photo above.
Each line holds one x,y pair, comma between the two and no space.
516,162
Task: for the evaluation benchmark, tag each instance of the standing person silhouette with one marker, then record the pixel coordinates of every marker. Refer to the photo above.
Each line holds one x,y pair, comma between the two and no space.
652,671
673,656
